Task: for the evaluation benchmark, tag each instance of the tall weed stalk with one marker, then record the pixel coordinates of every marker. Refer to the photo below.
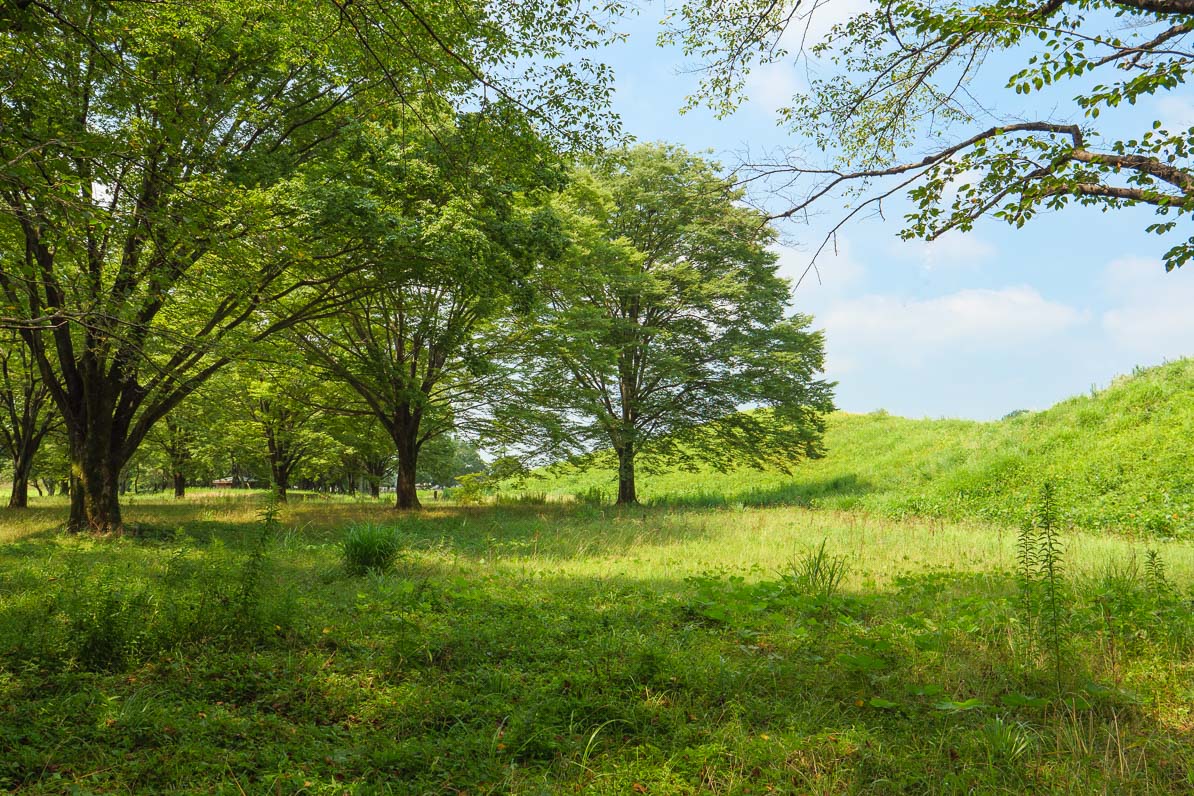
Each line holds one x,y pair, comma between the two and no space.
1039,557
248,596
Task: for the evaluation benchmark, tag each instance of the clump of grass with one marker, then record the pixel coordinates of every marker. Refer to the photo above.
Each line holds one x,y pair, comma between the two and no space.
110,625
593,496
818,573
522,499
370,547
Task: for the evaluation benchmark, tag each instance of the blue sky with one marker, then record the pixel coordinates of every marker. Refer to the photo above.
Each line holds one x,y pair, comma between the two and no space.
974,325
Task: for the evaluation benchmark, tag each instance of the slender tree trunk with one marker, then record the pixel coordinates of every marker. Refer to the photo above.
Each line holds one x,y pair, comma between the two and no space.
408,459
626,492
281,476
180,485
25,442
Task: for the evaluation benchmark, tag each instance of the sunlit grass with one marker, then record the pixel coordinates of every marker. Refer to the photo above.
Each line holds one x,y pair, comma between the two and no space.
551,648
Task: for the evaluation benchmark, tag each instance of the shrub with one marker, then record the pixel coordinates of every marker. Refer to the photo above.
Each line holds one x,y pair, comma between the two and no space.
370,547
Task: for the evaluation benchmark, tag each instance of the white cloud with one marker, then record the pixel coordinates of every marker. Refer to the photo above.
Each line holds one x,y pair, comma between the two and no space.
770,87
952,250
912,330
1176,113
836,270
1154,311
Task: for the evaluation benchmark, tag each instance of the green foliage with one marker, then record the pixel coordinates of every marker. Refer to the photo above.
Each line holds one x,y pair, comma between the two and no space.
593,496
248,595
522,499
1042,587
107,624
445,458
447,227
905,76
165,167
1154,570
370,547
663,318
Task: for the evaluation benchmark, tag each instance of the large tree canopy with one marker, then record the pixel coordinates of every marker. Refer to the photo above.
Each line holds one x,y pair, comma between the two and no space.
664,320
912,105
146,150
447,225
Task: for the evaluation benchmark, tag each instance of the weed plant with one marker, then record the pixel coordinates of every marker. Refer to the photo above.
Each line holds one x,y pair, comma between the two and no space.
1042,586
818,573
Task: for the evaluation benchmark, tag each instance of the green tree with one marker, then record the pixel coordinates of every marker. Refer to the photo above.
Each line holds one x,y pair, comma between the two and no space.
27,413
665,319
283,411
51,467
366,448
179,438
448,228
911,104
145,149
446,458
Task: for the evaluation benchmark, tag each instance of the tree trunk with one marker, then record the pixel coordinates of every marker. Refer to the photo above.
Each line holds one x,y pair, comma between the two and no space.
626,493
180,485
375,489
25,443
20,489
408,459
95,487
281,477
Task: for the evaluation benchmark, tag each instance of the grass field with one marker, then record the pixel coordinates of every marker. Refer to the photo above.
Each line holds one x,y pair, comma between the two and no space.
1122,459
567,648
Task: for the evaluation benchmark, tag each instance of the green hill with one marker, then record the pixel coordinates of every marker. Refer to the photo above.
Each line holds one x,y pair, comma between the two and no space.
1122,458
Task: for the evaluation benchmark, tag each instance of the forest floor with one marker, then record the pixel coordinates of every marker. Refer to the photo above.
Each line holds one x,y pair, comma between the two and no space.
569,648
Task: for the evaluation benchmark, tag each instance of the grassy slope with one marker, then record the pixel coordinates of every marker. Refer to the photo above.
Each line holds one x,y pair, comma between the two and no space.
1121,458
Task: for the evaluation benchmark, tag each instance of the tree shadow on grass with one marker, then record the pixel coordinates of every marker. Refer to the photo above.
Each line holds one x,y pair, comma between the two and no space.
426,680
34,522
801,493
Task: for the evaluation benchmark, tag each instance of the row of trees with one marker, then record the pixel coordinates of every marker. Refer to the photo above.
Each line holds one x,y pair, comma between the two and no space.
251,430
316,215
379,189
629,302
